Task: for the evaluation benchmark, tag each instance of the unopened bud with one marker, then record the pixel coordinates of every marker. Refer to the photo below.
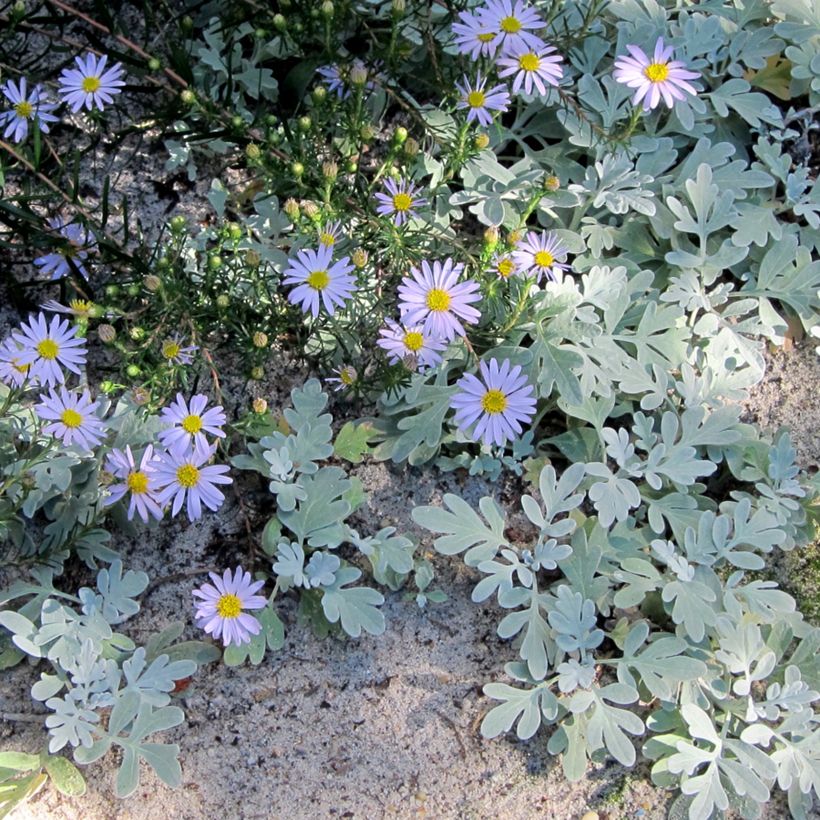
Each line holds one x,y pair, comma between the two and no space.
400,135
252,258
491,236
327,8
257,373
291,208
279,22
178,224
481,141
305,123
358,74
330,170
319,93
297,169
411,147
259,406
359,257
367,132
137,333
223,301
215,262
552,183
310,209
107,333
154,64
253,151
187,96
132,371
260,339
399,7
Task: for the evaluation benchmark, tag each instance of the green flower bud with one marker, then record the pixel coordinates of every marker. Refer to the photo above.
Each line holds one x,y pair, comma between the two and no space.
133,289
400,135
154,64
234,231
152,283
137,333
223,301
260,339
253,151
291,208
297,169
215,262
304,124
481,141
328,9
132,371
320,93
112,290
279,22
257,373
330,170
187,96
178,224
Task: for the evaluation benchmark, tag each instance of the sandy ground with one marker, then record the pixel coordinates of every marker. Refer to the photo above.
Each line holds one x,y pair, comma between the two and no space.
377,727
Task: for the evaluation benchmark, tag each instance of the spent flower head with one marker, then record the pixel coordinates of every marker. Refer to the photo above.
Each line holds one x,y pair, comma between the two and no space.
316,276
27,108
72,419
433,296
346,376
220,606
656,77
48,347
90,84
496,404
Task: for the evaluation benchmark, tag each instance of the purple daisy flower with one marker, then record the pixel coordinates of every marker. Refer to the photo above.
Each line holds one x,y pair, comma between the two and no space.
473,36
400,201
12,372
542,254
81,308
497,405
187,423
329,233
346,376
48,346
504,265
532,68
655,78
181,475
219,610
480,102
26,107
335,78
411,346
135,480
512,23
72,418
90,84
174,351
315,276
431,295
76,247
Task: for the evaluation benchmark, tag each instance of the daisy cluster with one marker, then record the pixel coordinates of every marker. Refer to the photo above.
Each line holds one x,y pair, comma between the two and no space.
92,84
170,473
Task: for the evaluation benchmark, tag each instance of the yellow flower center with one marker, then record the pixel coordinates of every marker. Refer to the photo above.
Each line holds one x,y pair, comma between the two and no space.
48,348
506,267
544,259
656,72
229,606
20,368
529,62
71,418
485,38
494,402
476,99
170,349
511,25
347,375
137,482
192,424
438,299
402,202
81,307
327,239
24,109
318,280
413,340
91,84
187,476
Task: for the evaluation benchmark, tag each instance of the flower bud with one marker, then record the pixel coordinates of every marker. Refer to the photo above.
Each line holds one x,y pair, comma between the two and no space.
237,121
178,224
132,371
137,333
260,339
259,406
310,209
552,183
223,301
481,141
515,237
330,170
107,333
367,133
257,373
133,289
319,93
234,231
399,7
491,237
411,147
359,257
187,96
252,258
305,123
186,23
297,169
328,9
358,75
152,283
279,22
400,135
215,262
154,64
253,151
291,208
